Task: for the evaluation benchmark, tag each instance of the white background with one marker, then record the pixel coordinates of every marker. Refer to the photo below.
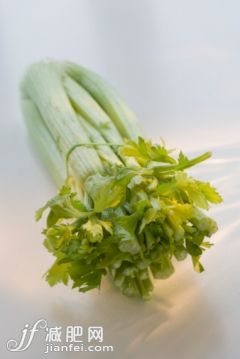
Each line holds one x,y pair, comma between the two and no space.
177,65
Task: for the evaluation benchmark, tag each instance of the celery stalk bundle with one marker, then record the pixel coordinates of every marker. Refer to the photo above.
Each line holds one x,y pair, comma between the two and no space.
125,207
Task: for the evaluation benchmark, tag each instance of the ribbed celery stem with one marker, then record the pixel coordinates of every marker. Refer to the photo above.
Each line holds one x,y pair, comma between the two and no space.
105,152
90,110
43,85
123,118
92,113
43,142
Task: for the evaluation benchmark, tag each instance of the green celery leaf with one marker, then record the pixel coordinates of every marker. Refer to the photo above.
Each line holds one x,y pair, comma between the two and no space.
197,265
58,273
145,152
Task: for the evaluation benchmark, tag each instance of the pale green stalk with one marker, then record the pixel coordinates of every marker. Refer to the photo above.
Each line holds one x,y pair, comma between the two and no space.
43,85
123,118
105,152
44,142
91,113
90,110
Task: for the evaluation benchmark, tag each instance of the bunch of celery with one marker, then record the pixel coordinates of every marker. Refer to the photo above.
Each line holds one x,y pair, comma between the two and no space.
125,206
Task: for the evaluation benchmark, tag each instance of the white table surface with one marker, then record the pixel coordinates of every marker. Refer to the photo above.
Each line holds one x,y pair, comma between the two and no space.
177,65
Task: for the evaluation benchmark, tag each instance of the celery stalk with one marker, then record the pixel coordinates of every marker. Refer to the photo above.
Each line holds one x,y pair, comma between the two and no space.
105,152
123,118
44,142
90,110
129,207
43,85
